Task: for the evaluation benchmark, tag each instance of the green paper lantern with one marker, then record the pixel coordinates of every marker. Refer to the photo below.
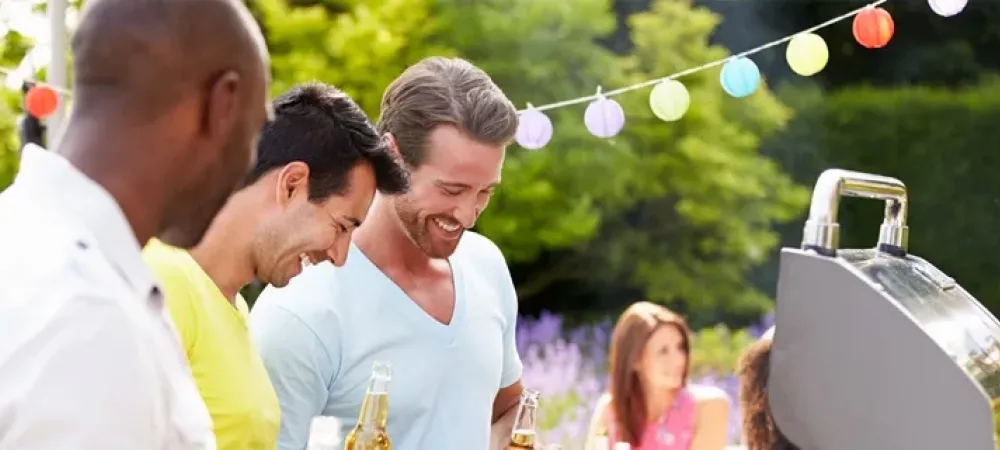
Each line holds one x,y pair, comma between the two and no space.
669,100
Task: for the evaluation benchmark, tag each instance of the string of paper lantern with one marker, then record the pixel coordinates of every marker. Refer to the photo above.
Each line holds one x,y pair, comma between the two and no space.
807,54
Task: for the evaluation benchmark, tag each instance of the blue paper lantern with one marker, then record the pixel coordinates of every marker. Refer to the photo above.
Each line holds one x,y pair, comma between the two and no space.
740,77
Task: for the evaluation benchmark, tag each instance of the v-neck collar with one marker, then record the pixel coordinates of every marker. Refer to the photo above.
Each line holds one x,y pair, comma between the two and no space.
400,301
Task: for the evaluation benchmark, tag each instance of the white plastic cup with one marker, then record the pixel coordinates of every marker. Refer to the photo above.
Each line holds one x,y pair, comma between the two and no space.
325,433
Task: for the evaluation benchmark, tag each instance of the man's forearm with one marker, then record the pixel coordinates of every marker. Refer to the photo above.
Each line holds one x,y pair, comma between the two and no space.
501,429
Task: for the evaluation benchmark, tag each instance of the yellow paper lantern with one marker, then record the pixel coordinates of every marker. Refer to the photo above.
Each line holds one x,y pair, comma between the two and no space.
669,100
807,54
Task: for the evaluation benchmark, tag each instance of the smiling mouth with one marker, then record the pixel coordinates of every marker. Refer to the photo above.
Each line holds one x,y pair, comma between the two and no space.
448,226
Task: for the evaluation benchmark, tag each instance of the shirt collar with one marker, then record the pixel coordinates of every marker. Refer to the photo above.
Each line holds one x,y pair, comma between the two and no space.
90,206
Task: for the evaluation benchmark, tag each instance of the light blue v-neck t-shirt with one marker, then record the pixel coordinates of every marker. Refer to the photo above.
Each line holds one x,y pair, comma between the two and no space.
319,336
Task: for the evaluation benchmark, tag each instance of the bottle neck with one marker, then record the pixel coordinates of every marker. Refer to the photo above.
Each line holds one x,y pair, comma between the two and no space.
525,419
375,406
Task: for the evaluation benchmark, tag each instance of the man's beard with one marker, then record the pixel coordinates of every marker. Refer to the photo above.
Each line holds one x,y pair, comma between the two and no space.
417,231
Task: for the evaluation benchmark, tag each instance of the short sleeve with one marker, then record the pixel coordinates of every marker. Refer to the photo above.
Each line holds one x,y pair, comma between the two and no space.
299,366
178,292
512,367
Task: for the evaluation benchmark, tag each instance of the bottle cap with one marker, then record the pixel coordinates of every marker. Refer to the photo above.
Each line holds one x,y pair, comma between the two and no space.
382,370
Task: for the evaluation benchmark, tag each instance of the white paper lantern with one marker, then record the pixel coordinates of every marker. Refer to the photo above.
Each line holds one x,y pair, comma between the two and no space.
947,8
534,129
604,117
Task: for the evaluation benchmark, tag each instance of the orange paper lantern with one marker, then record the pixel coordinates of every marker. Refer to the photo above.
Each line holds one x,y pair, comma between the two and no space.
41,101
873,27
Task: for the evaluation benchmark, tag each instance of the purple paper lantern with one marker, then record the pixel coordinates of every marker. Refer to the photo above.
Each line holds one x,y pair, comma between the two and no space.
604,117
534,129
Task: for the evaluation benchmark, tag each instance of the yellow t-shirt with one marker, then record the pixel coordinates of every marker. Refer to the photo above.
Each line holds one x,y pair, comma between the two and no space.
227,368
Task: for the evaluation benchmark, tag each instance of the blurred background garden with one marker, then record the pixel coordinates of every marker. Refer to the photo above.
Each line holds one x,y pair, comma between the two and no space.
692,213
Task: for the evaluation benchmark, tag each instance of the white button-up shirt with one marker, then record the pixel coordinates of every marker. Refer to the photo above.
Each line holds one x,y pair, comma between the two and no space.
88,357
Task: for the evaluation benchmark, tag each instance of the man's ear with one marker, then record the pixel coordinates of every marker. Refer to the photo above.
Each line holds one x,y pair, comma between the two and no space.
292,180
390,141
222,109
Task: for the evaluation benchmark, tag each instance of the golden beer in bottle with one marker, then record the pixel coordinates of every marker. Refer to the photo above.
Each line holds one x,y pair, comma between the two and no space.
523,434
370,433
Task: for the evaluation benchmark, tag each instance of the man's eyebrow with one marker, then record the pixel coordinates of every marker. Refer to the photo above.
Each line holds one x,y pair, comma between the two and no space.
457,185
452,184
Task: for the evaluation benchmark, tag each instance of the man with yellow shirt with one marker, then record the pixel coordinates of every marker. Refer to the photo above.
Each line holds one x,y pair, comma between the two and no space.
319,163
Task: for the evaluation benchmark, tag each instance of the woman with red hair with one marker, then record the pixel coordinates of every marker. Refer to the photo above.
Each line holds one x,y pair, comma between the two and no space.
650,404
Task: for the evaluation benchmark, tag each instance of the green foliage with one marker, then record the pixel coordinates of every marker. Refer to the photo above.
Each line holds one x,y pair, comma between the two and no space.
360,50
576,195
940,142
13,47
8,139
706,199
543,52
716,350
679,211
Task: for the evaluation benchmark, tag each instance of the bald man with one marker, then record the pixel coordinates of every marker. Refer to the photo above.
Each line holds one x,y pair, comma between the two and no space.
169,99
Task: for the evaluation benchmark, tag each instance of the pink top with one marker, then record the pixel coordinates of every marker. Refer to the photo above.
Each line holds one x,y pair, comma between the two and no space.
674,430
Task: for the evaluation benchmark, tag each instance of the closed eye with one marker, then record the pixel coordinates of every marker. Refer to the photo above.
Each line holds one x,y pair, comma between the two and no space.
452,192
337,225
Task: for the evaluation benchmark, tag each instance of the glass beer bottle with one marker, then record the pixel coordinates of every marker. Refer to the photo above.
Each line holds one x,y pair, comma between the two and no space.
523,434
370,432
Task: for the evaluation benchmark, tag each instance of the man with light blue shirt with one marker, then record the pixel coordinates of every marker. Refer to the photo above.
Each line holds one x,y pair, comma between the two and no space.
417,290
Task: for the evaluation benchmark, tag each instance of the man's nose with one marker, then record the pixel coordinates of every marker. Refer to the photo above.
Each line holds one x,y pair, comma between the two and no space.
338,252
467,214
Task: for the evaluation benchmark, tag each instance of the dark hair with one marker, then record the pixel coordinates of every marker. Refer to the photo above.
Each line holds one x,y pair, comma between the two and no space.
444,91
759,429
145,54
321,126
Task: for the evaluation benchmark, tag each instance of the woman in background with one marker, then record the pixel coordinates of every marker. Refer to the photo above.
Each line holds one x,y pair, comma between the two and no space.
759,430
650,404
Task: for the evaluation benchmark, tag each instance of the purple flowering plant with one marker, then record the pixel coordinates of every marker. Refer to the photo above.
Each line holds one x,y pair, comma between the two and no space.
569,366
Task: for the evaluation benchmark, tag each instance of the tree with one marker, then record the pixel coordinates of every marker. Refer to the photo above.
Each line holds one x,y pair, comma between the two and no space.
712,200
679,212
13,47
939,142
358,46
926,48
8,140
674,212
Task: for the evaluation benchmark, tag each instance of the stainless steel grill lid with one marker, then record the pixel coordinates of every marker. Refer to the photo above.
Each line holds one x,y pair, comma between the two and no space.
877,349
